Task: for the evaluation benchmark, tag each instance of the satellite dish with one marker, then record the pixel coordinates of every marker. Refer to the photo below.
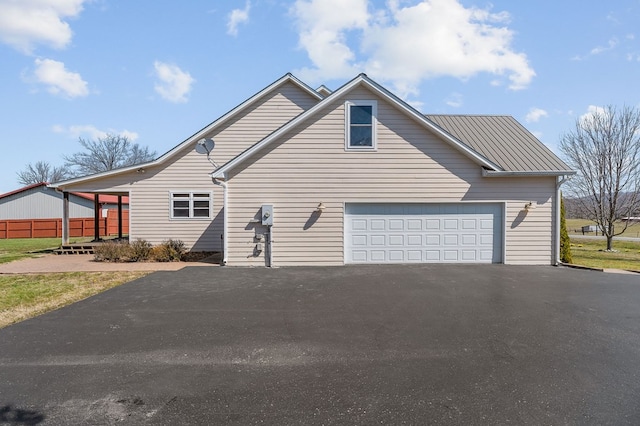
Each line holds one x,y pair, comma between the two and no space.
205,146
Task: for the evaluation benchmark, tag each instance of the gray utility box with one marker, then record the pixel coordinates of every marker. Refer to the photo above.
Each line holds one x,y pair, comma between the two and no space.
267,214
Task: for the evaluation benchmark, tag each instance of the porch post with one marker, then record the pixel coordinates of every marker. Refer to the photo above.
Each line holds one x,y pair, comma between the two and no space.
96,217
65,218
120,217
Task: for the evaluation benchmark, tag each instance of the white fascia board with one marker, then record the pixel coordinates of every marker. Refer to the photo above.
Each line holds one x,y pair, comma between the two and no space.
362,78
88,178
493,173
229,165
197,136
201,133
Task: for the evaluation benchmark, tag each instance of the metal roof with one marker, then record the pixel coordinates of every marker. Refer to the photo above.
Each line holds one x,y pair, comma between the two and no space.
503,140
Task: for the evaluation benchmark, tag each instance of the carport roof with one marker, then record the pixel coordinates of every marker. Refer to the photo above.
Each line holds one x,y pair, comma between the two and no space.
503,140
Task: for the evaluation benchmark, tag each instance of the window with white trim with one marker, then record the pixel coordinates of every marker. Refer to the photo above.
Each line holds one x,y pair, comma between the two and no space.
360,125
191,205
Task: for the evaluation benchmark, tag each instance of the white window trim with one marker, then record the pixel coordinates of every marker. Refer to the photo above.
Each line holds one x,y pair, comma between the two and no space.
191,199
347,125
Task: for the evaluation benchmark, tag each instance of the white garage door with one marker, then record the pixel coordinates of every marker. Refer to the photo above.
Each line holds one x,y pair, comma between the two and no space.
419,233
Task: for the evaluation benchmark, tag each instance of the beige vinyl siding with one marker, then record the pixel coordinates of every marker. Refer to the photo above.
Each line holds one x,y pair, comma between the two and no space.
188,171
411,164
259,120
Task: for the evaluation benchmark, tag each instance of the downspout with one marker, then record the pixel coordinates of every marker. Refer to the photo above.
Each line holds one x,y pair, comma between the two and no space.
559,182
225,233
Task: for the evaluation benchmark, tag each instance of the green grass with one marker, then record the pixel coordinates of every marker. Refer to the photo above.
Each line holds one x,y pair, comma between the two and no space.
592,253
574,227
20,248
25,296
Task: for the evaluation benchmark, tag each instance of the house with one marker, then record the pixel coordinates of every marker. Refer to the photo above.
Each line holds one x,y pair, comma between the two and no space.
38,201
312,177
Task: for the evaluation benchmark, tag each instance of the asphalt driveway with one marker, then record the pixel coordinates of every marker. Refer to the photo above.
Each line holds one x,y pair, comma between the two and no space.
347,345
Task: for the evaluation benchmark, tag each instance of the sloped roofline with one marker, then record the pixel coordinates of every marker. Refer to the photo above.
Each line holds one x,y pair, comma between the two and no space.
287,78
363,79
24,188
76,194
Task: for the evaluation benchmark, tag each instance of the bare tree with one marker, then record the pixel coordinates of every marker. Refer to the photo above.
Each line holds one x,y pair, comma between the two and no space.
107,153
604,148
42,171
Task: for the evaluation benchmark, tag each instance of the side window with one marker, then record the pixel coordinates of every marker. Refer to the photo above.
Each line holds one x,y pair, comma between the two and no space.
360,123
191,205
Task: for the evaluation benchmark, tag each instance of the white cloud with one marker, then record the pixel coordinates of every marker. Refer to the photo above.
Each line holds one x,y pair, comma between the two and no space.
27,23
611,44
407,43
174,84
59,80
591,111
323,26
535,114
90,131
454,100
237,17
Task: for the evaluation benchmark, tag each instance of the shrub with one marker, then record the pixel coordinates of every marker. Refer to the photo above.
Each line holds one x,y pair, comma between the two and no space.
140,250
169,251
111,251
565,242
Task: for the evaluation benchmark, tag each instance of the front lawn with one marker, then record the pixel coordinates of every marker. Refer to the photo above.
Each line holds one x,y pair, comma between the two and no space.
586,252
20,248
25,296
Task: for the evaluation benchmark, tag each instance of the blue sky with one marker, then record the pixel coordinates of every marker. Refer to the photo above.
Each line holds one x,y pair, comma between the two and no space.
158,71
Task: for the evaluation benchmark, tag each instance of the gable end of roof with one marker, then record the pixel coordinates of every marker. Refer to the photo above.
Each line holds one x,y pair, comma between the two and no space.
220,172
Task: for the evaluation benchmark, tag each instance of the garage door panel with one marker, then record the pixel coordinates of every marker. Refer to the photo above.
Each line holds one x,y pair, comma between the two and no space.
451,240
469,224
469,240
378,255
469,255
433,255
378,240
414,255
414,224
433,224
451,224
359,240
399,233
396,224
396,240
377,225
359,224
450,255
414,240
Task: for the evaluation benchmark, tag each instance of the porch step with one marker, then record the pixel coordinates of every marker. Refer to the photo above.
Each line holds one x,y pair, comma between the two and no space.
75,249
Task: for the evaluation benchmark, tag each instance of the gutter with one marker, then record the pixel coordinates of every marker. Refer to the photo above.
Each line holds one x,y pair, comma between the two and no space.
225,222
496,173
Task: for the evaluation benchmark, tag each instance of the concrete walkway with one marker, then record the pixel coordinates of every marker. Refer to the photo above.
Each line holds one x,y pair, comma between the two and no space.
85,263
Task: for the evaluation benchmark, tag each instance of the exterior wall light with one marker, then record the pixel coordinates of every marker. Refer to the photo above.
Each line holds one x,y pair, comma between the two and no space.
530,206
320,208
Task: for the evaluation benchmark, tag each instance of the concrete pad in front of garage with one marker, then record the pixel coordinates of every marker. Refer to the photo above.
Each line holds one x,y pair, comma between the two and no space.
346,345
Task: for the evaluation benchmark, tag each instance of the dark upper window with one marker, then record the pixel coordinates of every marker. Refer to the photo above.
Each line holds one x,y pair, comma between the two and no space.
361,125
